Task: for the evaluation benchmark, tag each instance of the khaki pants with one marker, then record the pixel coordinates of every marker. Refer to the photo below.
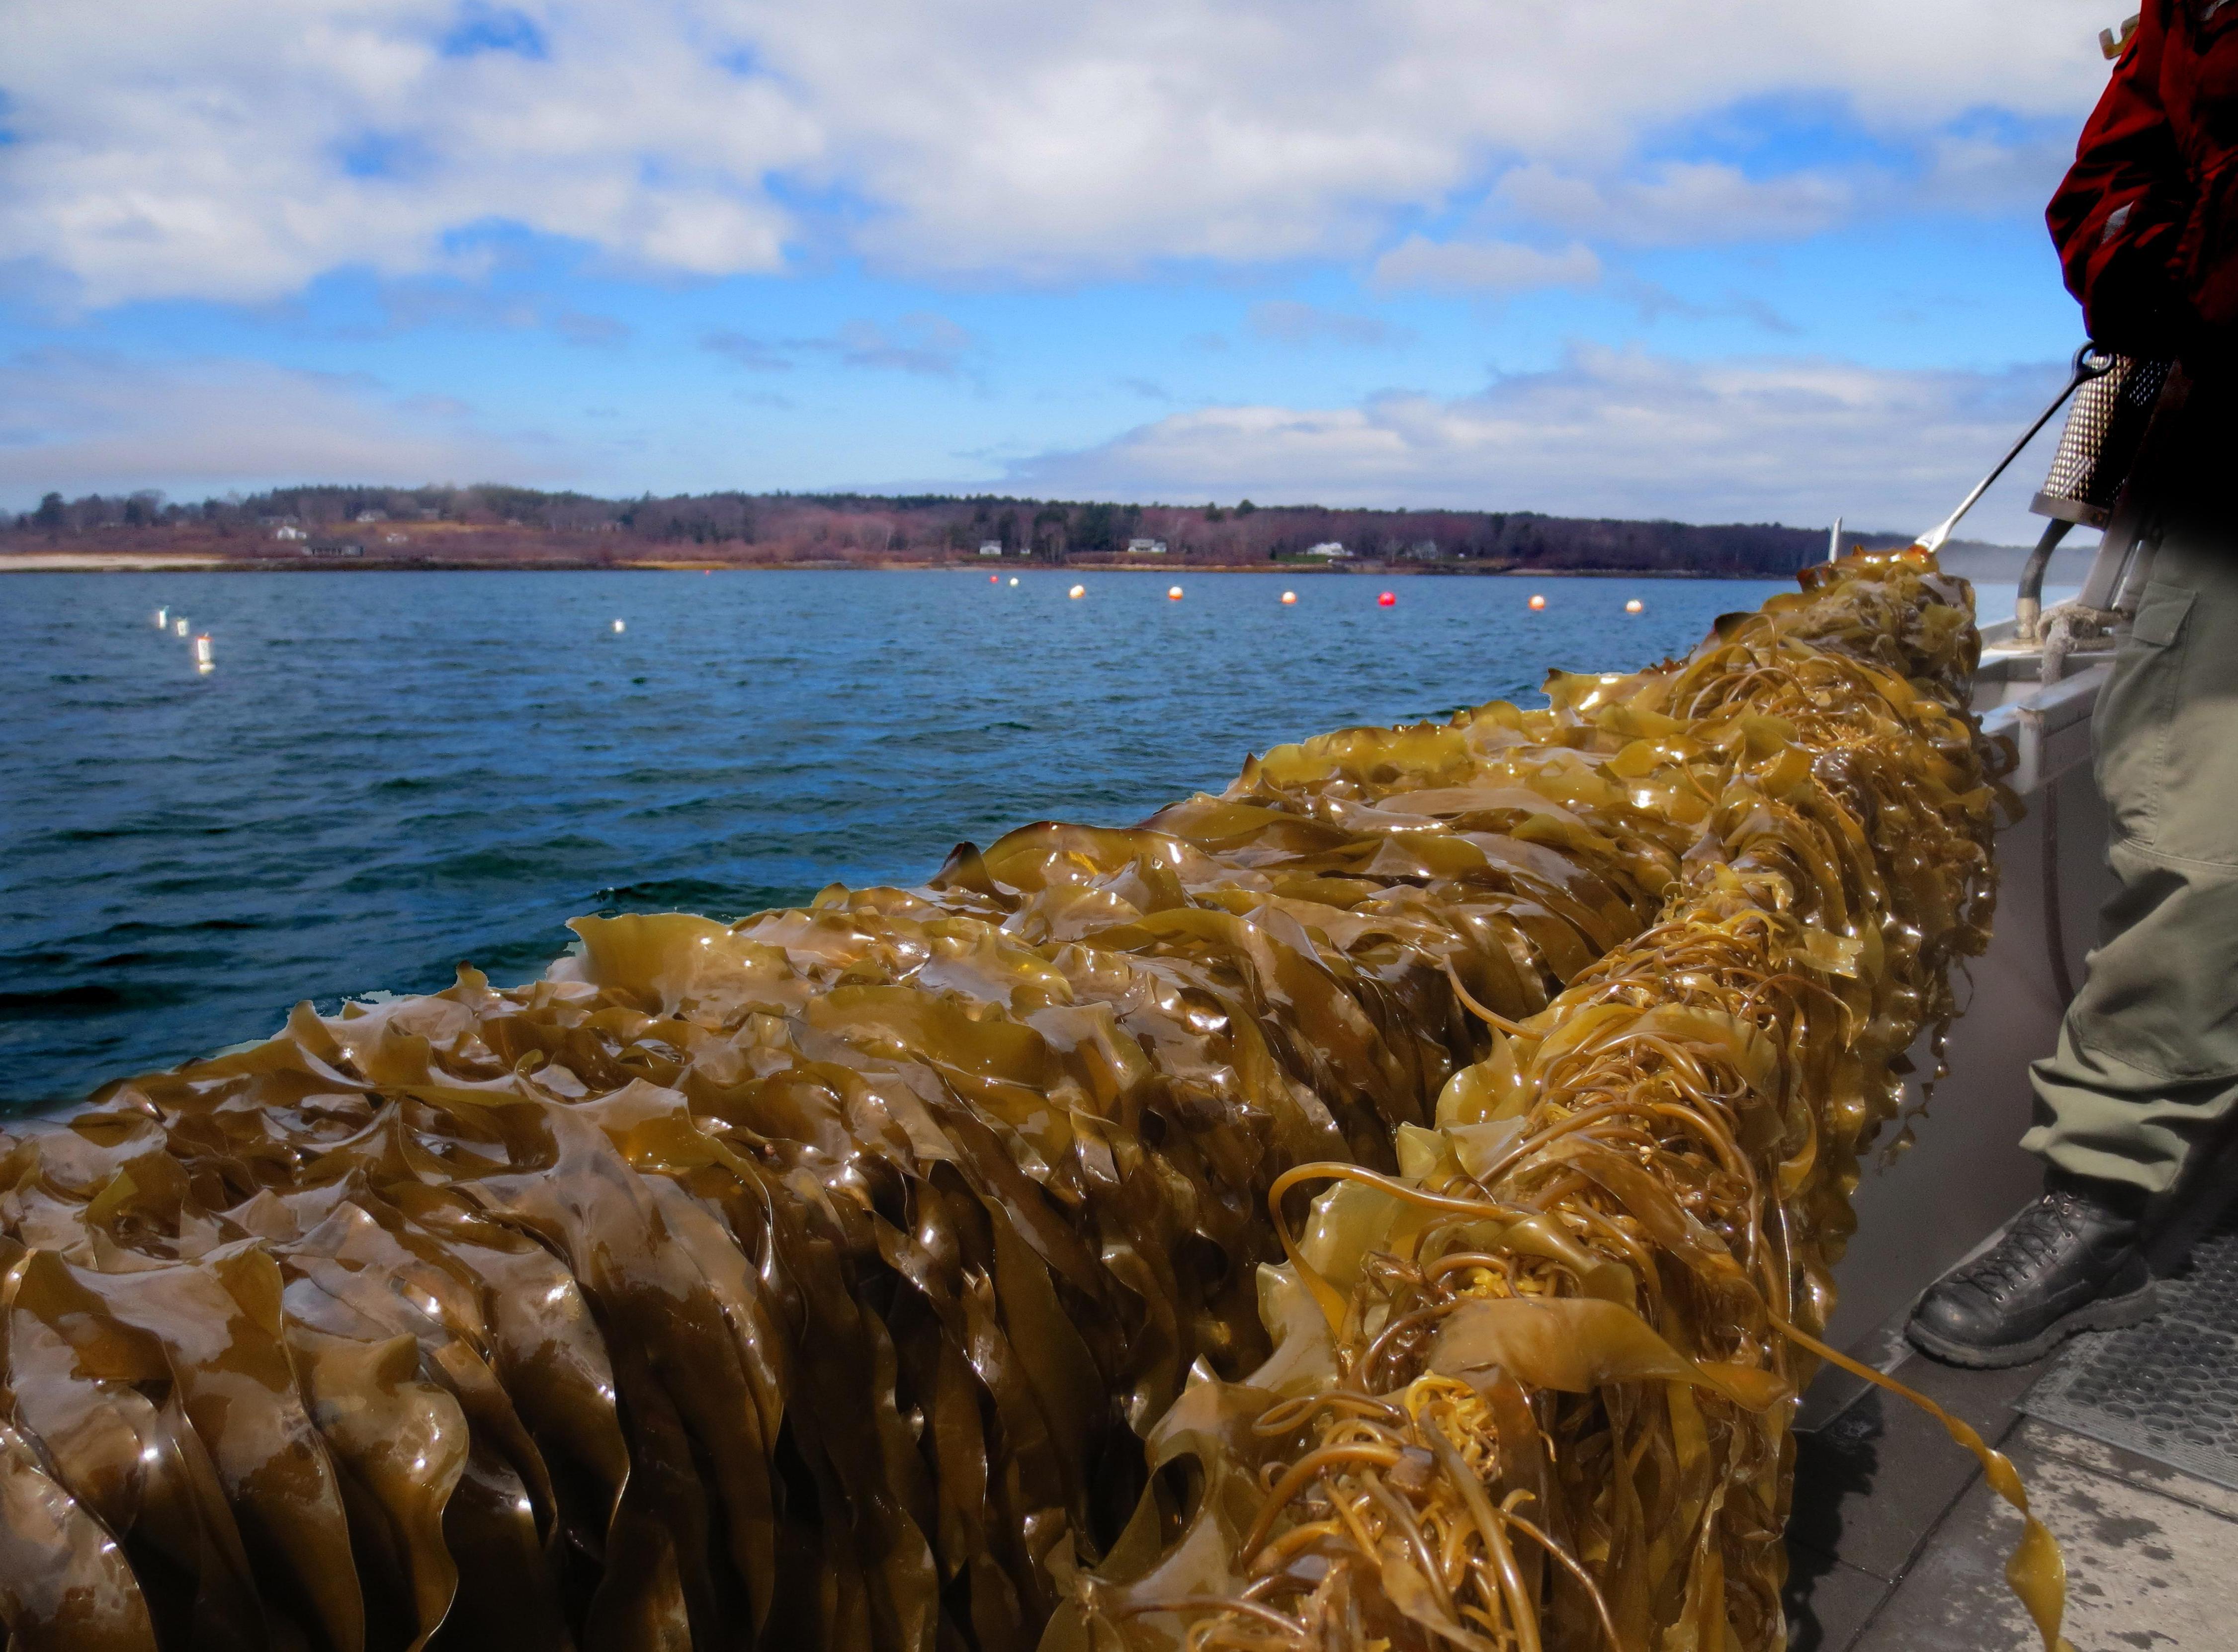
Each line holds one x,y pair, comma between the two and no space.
2147,1057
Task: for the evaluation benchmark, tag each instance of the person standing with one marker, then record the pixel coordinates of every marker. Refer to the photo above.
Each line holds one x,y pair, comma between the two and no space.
2147,1063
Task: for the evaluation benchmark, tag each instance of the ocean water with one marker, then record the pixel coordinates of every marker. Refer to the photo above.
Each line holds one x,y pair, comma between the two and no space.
384,774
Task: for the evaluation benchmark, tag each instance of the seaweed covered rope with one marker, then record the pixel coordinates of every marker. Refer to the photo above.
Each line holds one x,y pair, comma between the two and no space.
813,1279
1534,1390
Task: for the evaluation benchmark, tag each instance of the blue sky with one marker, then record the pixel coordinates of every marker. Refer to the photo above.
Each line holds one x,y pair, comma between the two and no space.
1734,260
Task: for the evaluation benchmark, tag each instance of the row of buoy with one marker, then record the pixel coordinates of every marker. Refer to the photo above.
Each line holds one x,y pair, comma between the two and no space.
1386,599
205,661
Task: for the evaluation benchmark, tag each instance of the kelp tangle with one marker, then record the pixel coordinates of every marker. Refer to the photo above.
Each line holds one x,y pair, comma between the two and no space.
818,1278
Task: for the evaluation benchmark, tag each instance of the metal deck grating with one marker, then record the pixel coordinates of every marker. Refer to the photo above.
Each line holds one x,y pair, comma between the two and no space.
2168,1389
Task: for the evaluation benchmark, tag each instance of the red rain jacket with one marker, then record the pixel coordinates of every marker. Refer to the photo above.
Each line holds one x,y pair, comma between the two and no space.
2147,222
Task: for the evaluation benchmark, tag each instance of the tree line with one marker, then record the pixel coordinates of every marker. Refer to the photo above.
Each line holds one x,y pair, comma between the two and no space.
791,527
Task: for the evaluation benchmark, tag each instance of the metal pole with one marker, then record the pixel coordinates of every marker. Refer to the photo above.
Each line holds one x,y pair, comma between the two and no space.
2090,362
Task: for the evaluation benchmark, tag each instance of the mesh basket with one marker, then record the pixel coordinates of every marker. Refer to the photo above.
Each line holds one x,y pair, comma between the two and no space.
2100,442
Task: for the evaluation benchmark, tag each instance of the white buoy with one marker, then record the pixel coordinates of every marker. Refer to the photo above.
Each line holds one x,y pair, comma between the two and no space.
163,620
1014,579
1634,606
202,661
183,628
1078,592
619,627
1173,593
1289,598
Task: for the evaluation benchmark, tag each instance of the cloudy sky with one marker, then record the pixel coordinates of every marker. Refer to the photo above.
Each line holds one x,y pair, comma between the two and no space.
1728,259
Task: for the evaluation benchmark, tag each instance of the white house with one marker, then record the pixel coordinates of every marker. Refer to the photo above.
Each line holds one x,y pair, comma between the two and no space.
286,532
991,547
1146,547
1328,548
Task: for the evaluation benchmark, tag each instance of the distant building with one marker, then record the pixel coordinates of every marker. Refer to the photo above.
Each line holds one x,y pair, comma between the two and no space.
1330,549
394,538
334,548
1423,551
373,516
991,547
287,532
1146,547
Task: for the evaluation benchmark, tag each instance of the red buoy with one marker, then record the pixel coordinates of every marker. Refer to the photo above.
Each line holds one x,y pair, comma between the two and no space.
1387,600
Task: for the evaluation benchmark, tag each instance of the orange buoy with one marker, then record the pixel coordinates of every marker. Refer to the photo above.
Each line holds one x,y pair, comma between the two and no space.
1387,600
1078,592
1634,606
1173,593
1289,597
1538,603
993,578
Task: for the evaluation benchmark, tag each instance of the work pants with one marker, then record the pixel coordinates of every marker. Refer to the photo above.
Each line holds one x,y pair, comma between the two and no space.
2147,1059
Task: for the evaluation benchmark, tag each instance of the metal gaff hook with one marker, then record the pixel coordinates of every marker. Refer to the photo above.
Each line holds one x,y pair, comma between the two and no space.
2090,362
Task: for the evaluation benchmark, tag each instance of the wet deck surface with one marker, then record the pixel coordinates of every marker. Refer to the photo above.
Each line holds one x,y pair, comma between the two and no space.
1895,1544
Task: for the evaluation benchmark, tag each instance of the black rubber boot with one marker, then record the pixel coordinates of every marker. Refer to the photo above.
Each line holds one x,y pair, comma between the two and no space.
2072,1261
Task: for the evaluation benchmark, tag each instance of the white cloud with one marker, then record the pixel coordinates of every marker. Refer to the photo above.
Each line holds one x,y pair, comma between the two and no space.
1610,432
89,423
229,149
1483,265
218,149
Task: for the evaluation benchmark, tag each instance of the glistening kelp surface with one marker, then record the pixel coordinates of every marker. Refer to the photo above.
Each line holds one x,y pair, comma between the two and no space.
811,1279
1534,1390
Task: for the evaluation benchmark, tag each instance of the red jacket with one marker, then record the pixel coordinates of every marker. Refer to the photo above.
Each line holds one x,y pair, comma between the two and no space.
2147,222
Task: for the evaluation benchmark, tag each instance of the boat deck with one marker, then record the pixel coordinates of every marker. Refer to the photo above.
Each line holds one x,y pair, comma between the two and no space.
1896,1545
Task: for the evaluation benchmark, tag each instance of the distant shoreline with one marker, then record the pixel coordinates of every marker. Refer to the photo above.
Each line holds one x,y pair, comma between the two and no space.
495,525
131,562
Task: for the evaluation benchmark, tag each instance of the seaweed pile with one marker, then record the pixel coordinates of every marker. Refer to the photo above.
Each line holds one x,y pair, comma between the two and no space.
816,1279
1533,1391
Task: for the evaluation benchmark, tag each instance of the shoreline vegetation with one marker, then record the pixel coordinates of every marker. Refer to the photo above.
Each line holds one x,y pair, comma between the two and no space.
491,527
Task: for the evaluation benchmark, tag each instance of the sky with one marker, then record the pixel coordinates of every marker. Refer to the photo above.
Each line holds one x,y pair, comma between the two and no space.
1728,260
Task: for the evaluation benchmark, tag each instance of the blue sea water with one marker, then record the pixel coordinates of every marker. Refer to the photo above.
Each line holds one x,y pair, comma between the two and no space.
384,774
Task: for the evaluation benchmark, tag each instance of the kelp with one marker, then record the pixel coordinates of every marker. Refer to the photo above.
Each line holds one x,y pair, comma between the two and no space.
817,1279
1534,1390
